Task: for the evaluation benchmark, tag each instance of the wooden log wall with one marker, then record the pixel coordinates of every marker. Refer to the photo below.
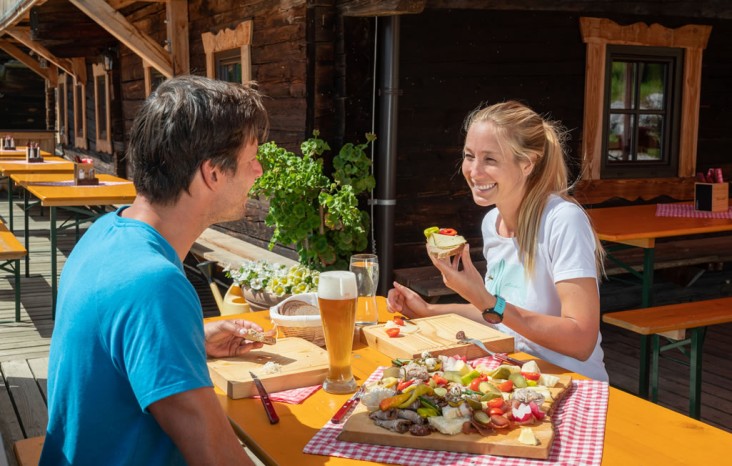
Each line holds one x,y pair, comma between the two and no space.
22,96
452,60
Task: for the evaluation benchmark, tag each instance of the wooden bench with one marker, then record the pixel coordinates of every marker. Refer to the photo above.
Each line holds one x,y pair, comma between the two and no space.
11,252
427,280
671,322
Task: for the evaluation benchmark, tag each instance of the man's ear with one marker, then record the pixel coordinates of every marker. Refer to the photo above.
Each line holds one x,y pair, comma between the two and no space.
209,173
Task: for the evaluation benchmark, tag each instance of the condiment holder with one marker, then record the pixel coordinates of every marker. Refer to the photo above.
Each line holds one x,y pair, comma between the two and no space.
33,153
711,193
9,143
84,173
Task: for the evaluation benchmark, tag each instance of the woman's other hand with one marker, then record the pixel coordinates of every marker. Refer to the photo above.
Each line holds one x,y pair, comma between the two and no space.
406,301
223,338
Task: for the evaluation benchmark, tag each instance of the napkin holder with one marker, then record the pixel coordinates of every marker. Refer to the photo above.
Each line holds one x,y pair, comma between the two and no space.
84,173
33,154
711,197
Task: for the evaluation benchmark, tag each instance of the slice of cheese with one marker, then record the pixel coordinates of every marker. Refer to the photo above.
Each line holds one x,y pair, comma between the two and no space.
446,241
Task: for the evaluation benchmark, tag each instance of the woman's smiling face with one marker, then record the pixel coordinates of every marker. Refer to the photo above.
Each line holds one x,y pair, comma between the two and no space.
494,177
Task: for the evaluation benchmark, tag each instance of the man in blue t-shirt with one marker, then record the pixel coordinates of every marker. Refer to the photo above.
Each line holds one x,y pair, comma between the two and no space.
128,382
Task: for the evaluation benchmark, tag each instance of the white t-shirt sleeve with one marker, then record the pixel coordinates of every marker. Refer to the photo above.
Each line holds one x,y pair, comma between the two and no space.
571,243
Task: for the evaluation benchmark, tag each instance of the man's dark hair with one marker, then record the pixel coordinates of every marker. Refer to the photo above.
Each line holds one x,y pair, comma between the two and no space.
186,121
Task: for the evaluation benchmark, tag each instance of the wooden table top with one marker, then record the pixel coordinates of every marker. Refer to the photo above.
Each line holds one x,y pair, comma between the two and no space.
19,152
49,165
638,225
58,189
637,431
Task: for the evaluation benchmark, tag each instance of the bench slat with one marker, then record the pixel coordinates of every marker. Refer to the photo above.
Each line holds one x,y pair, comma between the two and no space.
673,316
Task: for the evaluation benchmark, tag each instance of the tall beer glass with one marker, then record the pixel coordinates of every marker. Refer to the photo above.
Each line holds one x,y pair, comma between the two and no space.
366,268
337,298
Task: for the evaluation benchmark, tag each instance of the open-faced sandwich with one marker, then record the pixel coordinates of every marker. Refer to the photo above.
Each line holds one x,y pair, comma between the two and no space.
268,338
443,242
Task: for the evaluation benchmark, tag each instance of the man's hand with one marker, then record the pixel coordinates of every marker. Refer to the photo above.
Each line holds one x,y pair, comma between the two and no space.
224,338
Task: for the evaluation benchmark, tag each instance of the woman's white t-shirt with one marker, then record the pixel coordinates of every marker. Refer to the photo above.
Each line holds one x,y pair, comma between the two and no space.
565,250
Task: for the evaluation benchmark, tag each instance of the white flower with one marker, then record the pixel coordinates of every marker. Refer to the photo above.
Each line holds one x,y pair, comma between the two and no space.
274,277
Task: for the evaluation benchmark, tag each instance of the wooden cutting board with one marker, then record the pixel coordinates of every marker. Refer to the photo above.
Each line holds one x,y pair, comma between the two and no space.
359,428
437,335
302,364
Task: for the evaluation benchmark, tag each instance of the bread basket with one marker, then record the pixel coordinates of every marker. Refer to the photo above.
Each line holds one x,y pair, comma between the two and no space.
308,327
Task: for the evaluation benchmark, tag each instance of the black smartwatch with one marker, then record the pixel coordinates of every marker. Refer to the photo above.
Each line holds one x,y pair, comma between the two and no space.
494,315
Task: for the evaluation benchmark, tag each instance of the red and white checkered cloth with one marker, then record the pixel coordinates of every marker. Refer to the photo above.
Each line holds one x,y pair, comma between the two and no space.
294,396
688,210
579,423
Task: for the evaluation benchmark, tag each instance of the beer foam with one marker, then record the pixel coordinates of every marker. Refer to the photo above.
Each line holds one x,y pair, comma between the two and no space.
337,284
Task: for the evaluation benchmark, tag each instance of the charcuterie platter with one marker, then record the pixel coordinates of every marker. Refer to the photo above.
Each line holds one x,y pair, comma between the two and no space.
453,406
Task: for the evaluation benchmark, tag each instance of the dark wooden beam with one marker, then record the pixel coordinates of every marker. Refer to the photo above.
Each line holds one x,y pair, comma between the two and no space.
680,8
381,7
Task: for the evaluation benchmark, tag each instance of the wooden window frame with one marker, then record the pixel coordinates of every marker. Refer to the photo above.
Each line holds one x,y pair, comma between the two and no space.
62,108
103,143
671,114
597,33
79,114
238,38
148,71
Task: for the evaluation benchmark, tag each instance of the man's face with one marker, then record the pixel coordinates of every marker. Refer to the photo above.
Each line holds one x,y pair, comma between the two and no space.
236,190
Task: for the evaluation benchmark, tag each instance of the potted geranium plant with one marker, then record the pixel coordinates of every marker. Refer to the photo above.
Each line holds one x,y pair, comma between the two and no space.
320,216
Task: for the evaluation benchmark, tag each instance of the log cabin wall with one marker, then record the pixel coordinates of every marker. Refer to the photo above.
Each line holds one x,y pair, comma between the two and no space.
452,60
22,96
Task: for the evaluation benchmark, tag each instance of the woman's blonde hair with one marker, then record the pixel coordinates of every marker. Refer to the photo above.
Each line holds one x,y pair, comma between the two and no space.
527,136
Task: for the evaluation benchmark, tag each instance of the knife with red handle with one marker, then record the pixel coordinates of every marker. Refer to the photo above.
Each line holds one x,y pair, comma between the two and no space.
266,402
338,416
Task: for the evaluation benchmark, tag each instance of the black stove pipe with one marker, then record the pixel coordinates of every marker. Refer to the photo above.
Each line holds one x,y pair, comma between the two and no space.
386,147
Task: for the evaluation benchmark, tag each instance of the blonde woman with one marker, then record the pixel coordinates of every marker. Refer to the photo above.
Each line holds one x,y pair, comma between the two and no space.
543,257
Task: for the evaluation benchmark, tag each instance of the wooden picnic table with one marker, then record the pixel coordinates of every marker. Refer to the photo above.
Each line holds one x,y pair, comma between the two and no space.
636,432
639,226
19,152
55,190
16,166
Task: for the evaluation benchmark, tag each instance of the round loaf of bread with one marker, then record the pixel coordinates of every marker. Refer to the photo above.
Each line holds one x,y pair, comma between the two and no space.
298,308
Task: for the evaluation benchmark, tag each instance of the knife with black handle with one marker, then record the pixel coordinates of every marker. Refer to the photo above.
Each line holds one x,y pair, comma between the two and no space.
266,402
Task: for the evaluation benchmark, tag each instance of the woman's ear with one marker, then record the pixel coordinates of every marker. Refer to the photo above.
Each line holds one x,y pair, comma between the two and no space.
527,167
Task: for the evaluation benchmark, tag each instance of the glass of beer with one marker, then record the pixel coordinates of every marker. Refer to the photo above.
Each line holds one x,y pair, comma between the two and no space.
366,268
337,298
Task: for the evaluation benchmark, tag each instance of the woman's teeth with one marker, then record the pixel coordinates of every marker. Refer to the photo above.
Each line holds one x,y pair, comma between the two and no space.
484,187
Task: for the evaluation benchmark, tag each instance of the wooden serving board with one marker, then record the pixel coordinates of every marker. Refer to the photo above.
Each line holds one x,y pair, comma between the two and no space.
302,364
437,336
359,428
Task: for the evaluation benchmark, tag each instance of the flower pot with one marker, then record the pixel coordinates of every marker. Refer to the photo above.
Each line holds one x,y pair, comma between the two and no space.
262,300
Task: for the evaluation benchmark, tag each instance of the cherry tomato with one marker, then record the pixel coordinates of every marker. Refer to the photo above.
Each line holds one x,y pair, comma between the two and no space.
439,380
404,384
392,332
506,386
531,375
495,402
475,384
498,411
399,321
448,231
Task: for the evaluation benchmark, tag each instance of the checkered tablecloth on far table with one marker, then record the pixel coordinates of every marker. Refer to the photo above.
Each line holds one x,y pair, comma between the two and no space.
579,422
688,210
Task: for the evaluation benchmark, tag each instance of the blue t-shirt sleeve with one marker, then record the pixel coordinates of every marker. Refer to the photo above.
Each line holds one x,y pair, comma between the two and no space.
162,350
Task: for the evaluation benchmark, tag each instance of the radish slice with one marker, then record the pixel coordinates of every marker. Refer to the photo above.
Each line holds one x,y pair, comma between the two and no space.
536,411
522,413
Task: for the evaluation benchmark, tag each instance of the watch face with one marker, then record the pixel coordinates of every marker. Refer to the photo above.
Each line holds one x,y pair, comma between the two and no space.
491,316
